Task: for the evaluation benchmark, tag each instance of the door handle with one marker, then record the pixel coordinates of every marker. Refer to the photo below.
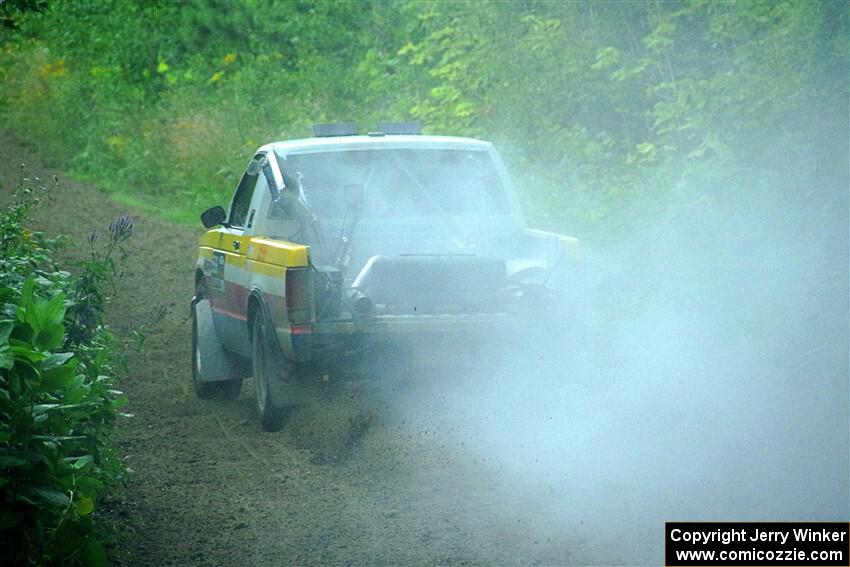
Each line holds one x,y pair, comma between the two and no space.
236,244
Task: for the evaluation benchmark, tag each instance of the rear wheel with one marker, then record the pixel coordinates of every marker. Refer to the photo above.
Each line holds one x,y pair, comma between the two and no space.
203,360
274,377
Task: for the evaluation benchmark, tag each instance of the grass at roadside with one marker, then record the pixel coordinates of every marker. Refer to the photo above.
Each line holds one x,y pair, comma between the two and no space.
162,208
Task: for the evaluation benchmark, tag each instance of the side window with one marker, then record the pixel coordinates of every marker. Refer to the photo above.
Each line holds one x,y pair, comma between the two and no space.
242,200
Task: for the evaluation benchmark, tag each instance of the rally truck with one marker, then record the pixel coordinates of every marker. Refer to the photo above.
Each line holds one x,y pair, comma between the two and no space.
343,247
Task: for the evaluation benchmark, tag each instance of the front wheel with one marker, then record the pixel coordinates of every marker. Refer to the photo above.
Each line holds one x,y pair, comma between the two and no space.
274,377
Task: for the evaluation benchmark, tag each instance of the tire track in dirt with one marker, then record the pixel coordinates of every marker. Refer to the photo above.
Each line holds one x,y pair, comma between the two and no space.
210,488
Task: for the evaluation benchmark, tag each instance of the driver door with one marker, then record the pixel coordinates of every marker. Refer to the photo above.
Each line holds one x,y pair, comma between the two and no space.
229,284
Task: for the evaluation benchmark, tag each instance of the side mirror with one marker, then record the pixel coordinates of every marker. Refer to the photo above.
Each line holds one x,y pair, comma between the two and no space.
213,216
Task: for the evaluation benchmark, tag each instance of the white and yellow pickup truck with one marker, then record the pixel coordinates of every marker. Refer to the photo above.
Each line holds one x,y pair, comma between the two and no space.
343,246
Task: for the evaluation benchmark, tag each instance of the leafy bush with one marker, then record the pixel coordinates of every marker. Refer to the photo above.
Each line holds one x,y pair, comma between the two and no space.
58,402
55,412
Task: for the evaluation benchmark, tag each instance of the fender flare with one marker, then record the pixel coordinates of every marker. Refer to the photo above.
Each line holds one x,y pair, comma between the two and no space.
257,303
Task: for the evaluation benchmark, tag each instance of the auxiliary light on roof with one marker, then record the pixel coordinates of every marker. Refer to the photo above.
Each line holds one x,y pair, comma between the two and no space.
337,129
384,129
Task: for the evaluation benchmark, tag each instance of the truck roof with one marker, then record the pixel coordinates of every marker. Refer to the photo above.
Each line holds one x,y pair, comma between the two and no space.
341,143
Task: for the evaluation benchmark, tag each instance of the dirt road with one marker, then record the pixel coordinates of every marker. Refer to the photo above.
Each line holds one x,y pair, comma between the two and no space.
351,481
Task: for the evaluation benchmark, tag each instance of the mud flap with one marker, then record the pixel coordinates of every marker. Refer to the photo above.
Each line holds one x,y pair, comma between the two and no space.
212,362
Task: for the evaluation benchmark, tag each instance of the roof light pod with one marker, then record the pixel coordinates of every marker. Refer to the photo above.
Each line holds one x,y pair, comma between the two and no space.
336,129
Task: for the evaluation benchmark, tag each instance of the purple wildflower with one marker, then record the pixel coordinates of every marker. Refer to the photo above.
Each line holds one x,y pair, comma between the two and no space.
121,228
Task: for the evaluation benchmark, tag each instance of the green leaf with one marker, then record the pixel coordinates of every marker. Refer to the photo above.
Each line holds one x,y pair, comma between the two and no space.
25,352
93,554
89,485
53,438
57,359
76,391
49,495
77,463
6,330
10,461
7,360
54,310
26,297
58,378
84,505
42,408
50,337
606,57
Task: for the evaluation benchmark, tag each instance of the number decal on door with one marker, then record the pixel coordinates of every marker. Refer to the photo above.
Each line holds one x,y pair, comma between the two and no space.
215,268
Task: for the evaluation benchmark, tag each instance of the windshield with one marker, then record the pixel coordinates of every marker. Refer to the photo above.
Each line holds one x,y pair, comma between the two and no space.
398,182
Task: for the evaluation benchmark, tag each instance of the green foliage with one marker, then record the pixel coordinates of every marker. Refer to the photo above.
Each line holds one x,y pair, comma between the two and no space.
55,412
589,101
11,10
58,402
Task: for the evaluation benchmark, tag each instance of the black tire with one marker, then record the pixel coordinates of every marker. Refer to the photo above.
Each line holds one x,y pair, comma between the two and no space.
219,390
269,365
